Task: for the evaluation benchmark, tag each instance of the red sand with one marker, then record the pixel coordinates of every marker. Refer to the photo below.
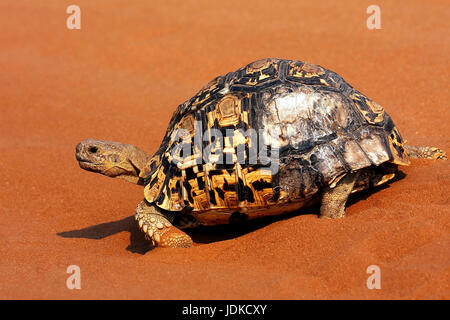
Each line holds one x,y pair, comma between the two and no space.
121,76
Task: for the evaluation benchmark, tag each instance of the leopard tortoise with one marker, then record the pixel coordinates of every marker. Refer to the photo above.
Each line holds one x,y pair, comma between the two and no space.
269,138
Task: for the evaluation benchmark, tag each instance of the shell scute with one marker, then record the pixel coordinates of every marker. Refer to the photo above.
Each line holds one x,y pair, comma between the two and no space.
256,74
372,112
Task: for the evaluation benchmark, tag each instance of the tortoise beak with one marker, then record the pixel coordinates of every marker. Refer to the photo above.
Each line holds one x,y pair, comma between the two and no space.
88,166
86,153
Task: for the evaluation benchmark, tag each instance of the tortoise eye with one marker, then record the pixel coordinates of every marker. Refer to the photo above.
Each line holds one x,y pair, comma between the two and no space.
93,149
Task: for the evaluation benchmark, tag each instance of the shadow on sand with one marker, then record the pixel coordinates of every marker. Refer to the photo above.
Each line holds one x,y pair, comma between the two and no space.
139,244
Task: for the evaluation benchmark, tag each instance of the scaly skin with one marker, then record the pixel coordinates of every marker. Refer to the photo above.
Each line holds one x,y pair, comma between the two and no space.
334,199
112,159
158,227
415,152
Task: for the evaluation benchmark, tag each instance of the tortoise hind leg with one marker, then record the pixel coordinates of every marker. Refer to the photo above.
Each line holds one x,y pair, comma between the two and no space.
158,227
334,199
415,152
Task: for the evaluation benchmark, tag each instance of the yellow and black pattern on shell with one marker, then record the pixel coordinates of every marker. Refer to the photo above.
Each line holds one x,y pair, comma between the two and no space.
396,143
375,115
191,183
371,111
256,74
345,131
306,73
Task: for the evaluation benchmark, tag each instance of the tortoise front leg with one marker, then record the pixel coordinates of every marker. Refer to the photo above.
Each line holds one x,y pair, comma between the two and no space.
159,229
334,199
415,152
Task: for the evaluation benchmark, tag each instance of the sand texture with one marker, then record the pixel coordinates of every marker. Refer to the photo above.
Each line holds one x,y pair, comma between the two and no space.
120,78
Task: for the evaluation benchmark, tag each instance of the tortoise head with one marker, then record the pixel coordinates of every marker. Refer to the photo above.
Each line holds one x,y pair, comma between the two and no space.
112,159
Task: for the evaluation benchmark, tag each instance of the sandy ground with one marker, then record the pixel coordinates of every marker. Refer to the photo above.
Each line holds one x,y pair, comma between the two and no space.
121,76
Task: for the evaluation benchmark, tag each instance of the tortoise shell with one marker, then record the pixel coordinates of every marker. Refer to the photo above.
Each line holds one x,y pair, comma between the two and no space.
316,124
